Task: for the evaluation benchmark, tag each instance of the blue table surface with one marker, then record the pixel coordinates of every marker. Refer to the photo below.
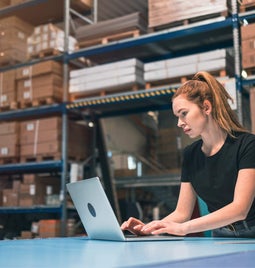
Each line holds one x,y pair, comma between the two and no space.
78,252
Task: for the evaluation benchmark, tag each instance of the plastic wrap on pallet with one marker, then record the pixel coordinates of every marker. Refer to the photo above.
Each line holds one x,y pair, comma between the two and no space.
188,65
106,76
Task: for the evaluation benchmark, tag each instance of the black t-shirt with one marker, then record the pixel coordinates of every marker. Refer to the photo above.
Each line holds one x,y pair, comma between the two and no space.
214,178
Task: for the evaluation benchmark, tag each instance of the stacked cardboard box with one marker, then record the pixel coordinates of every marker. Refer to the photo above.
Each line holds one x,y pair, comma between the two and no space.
252,108
213,61
16,2
48,38
4,3
42,139
9,141
169,148
49,228
32,190
13,39
39,82
181,10
248,45
111,76
8,89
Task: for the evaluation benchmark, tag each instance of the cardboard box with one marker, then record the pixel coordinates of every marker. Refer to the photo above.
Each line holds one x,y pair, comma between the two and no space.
7,81
9,128
9,146
10,198
16,22
26,200
45,67
252,108
49,228
248,31
248,60
4,3
13,38
12,56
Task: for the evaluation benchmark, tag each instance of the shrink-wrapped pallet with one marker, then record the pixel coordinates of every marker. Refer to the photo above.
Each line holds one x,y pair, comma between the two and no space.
213,61
111,76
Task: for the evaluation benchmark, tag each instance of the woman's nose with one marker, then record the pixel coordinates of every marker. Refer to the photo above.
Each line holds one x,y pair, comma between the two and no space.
180,123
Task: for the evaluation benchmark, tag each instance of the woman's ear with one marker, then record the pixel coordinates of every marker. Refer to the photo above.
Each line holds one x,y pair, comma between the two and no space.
207,107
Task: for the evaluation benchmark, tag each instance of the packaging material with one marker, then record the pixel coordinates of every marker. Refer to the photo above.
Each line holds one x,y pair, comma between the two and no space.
180,10
48,37
108,30
40,82
4,3
248,45
13,40
10,198
43,138
252,108
49,228
7,89
116,75
212,61
9,140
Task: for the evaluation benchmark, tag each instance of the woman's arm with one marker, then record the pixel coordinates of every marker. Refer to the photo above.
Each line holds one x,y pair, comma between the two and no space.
235,211
182,213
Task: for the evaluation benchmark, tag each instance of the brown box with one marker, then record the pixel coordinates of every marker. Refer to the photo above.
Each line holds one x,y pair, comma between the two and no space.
40,88
26,200
39,186
11,56
49,228
8,99
248,45
7,81
9,146
16,22
26,235
4,3
45,67
16,2
248,31
40,124
248,60
252,109
13,38
9,128
10,198
16,185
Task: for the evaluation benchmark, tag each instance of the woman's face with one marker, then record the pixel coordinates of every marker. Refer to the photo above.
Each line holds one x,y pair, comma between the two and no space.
191,118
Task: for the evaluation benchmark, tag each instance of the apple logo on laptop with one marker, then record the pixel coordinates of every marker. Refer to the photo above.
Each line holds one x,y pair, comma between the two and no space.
91,210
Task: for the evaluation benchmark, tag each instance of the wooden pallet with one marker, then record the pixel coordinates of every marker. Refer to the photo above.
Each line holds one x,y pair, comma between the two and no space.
109,38
9,160
179,80
250,71
38,102
187,21
40,157
246,7
44,53
103,92
8,106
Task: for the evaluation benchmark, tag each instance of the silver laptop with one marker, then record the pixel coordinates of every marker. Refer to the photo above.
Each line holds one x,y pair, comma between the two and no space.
97,215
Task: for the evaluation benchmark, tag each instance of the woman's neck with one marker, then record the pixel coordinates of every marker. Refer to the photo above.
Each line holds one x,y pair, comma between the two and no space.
213,141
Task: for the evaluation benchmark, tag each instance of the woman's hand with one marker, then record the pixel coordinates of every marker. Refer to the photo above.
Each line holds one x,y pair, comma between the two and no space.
134,226
162,226
137,227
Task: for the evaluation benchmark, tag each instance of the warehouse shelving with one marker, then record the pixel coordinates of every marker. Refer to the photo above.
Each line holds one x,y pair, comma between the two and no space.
179,41
54,13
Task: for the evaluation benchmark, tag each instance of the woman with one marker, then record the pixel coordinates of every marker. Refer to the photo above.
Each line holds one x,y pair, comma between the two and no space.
219,167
